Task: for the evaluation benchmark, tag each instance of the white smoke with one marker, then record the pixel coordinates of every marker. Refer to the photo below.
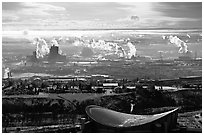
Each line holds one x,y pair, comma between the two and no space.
163,37
57,42
188,35
41,47
61,39
132,51
120,51
78,43
66,39
20,63
141,36
108,47
7,73
54,42
179,43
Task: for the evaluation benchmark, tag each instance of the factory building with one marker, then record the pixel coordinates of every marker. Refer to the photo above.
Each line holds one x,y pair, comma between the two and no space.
52,56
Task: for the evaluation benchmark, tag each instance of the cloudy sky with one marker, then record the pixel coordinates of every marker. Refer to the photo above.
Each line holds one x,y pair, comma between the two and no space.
100,15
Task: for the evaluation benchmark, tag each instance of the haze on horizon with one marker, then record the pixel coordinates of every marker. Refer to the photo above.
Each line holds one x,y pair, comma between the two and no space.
100,15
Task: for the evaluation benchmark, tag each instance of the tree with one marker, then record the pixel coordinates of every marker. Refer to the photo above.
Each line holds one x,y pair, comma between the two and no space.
99,90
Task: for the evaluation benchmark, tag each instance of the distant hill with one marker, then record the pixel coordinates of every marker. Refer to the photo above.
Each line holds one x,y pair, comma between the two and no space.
15,40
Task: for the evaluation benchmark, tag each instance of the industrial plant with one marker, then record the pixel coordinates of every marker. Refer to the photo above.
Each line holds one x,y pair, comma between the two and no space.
43,53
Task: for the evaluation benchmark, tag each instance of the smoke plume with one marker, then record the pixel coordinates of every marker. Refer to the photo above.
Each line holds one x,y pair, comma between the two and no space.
122,54
41,47
188,35
183,48
54,42
106,46
163,37
7,73
132,51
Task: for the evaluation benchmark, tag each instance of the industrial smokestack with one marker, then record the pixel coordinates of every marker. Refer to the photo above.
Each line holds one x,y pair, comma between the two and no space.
55,42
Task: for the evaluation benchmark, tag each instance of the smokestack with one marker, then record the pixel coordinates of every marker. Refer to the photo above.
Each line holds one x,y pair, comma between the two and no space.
55,42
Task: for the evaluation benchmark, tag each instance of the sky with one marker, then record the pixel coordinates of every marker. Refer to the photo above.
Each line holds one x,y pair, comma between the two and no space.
100,15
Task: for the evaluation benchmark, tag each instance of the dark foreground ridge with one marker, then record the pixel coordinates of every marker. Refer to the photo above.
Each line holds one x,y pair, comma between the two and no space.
36,114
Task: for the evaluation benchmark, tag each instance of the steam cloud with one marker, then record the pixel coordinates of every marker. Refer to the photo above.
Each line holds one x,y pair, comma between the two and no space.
108,47
188,35
54,42
7,73
41,47
119,48
179,43
163,37
132,51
